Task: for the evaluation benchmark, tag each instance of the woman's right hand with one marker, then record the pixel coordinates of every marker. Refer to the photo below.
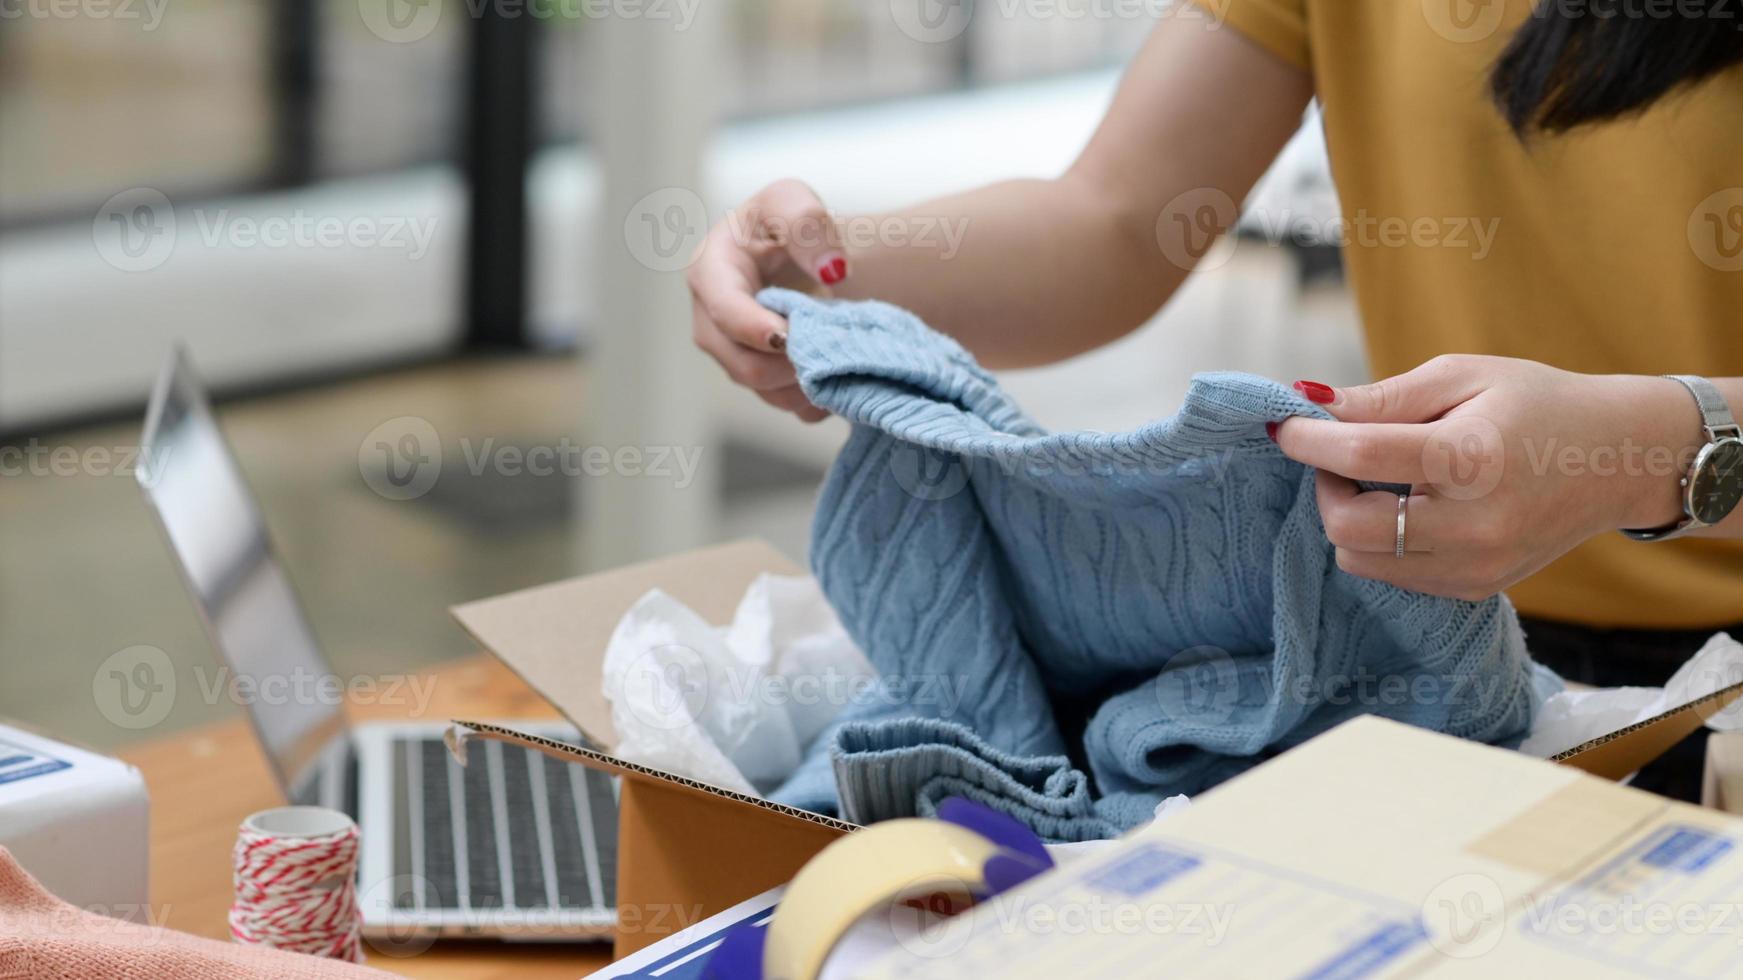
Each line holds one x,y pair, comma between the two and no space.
783,236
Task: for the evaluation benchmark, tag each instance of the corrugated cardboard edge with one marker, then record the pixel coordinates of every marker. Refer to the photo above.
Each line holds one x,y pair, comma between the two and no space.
1625,750
461,730
685,850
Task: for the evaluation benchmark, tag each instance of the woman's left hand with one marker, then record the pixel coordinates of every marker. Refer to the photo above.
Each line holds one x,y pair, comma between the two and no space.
1512,464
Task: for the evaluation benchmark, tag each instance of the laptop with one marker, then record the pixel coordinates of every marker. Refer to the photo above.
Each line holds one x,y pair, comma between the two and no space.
515,845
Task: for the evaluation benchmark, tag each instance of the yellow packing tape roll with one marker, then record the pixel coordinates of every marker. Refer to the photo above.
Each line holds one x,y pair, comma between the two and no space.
858,873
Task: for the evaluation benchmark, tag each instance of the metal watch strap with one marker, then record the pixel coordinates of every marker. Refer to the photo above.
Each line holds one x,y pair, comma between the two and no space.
1715,414
1719,423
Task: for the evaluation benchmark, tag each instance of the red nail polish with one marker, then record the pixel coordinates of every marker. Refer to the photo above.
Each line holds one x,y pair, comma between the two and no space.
778,341
1271,431
1315,392
833,271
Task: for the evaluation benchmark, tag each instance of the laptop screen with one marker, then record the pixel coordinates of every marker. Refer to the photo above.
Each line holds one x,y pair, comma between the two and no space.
272,663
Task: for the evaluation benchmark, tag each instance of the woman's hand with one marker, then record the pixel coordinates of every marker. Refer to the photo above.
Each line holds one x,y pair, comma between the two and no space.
783,236
1512,464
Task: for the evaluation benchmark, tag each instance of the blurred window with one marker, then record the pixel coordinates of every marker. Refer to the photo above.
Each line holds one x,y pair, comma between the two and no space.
176,96
792,55
387,99
206,97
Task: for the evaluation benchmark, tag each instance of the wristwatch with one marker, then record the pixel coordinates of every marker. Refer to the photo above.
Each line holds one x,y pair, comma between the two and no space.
1714,485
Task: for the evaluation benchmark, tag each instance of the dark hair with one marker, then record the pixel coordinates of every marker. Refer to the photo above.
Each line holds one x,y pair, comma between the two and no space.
1582,61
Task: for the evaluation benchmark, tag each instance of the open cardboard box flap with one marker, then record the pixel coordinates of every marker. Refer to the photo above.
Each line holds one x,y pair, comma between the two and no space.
687,849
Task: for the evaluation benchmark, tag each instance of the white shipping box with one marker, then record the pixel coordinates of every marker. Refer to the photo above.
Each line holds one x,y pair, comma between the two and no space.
79,822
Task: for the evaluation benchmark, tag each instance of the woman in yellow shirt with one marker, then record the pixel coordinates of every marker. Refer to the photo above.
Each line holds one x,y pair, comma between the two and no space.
1548,214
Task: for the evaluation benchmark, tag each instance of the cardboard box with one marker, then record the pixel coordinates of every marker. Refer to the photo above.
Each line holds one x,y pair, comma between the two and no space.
700,849
1378,849
686,850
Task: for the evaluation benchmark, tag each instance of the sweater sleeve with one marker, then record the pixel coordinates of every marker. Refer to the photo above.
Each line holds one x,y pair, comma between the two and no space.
1278,26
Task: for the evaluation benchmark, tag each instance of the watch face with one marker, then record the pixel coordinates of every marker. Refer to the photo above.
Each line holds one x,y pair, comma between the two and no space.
1717,484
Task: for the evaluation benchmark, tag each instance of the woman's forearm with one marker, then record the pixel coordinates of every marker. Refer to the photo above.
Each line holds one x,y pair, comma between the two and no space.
1031,271
1023,272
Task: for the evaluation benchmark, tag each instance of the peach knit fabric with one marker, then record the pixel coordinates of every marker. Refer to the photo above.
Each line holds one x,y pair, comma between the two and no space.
44,937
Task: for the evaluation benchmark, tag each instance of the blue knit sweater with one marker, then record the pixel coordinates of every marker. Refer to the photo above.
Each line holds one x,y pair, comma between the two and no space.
1160,607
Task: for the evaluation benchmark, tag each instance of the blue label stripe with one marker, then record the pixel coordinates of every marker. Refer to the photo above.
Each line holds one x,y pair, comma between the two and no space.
1142,870
686,963
42,768
1688,850
17,762
1371,952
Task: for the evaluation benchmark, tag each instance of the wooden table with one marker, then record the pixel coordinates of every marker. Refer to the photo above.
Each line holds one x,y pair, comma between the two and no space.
204,782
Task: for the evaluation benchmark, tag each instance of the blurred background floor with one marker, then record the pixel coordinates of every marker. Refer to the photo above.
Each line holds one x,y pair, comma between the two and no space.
85,572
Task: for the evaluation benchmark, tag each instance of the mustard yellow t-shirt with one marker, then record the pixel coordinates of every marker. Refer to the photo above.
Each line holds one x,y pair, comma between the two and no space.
1614,249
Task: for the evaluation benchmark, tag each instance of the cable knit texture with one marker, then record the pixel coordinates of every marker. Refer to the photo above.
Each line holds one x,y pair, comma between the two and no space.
1160,605
44,937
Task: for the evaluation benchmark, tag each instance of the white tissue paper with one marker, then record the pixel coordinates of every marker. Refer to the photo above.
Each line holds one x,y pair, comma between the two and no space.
1571,717
734,707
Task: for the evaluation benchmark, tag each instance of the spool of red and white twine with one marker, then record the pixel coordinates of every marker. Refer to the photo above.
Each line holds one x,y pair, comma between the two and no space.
295,878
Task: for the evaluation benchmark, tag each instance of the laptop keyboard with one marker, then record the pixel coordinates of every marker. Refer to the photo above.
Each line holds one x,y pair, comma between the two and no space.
513,829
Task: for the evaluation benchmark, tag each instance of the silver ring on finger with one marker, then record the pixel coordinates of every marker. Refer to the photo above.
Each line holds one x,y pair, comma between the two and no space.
1403,513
